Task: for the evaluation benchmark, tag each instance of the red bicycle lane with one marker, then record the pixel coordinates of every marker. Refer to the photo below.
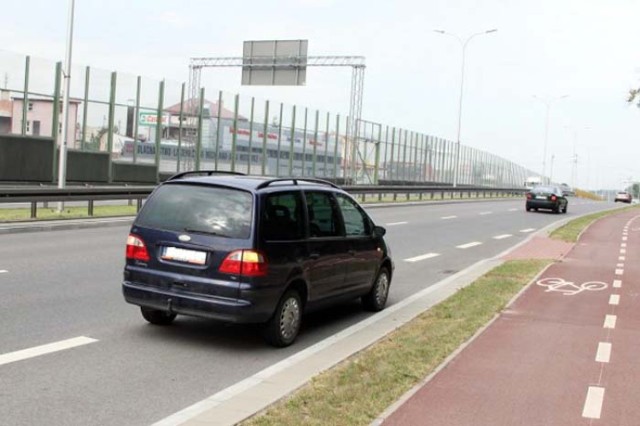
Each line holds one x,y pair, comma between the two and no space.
564,353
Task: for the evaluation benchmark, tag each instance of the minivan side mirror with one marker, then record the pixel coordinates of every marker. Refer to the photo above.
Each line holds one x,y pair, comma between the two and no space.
379,231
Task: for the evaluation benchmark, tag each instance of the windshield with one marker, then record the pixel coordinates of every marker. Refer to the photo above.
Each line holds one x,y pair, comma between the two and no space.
195,208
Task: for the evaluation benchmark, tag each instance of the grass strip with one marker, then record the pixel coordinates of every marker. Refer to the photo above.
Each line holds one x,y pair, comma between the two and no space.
571,230
22,214
357,390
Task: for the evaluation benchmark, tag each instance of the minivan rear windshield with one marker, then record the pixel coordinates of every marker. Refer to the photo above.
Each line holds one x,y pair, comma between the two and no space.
199,209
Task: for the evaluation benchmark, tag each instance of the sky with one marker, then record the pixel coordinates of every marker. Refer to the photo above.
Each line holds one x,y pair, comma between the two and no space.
545,49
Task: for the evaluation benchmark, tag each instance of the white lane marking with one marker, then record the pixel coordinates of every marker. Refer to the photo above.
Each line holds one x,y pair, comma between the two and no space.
593,402
422,257
604,352
624,238
620,265
623,245
617,283
396,223
528,230
3,271
485,213
610,321
469,245
623,251
45,349
614,299
513,210
619,271
622,258
448,217
502,237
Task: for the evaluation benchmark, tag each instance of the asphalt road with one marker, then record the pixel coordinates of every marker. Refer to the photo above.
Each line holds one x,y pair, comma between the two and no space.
61,285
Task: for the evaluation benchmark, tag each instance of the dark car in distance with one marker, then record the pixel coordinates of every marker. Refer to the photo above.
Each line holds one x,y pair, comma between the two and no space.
547,197
248,249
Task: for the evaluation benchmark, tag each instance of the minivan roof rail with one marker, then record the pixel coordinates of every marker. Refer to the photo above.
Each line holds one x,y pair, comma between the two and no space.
203,173
295,182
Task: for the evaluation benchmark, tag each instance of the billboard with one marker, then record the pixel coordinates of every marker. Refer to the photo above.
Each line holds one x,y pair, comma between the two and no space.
274,63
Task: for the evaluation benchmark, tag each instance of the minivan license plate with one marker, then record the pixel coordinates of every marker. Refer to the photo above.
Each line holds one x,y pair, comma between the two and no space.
541,197
183,255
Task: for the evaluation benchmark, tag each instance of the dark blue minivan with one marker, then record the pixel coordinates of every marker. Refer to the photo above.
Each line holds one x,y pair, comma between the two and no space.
250,249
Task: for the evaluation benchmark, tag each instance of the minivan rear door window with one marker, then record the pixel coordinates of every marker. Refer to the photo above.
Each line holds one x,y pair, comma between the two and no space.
211,210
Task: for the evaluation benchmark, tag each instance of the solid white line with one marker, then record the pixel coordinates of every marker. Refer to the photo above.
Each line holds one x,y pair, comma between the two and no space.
610,321
448,217
422,257
502,237
619,271
622,258
469,245
593,402
604,352
45,349
528,230
617,283
396,223
485,213
614,299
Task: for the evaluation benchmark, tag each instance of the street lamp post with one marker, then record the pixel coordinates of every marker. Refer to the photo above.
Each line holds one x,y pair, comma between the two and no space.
463,44
64,142
547,103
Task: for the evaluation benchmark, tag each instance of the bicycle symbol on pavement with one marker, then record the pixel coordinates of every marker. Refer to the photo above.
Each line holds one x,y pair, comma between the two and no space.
569,288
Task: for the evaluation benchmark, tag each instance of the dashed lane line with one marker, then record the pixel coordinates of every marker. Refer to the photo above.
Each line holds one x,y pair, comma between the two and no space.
617,283
622,258
485,213
619,271
624,238
614,299
513,210
620,265
623,251
45,349
604,352
422,257
623,245
593,402
527,230
448,217
502,237
3,271
396,223
469,245
610,321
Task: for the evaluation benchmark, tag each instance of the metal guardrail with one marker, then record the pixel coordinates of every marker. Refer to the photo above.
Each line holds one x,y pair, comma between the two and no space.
33,196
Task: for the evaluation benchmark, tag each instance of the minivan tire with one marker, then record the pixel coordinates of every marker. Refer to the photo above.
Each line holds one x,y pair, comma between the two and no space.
283,327
376,299
157,317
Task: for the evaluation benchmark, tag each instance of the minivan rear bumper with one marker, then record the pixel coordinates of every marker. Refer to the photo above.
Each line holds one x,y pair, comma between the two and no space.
254,306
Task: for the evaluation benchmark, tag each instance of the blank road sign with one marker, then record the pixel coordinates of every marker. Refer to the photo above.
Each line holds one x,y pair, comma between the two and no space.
274,63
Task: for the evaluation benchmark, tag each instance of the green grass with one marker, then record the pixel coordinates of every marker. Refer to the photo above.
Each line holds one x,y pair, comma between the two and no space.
356,391
570,231
9,215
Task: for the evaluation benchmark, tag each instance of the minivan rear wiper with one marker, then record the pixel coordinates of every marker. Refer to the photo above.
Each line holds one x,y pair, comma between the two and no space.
200,231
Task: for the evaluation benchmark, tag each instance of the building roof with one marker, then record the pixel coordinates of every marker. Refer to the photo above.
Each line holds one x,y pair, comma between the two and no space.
194,105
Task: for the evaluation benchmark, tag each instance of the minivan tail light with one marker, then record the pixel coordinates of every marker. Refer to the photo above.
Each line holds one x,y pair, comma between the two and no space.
529,196
554,198
136,249
248,263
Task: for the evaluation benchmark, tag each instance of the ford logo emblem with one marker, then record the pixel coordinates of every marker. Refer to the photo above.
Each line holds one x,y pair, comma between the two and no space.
184,238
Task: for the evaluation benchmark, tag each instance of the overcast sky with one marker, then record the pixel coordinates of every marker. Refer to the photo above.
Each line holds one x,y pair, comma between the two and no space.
586,49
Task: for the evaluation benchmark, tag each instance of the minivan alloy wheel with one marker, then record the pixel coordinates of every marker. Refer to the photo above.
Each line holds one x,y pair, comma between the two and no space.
382,289
290,318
